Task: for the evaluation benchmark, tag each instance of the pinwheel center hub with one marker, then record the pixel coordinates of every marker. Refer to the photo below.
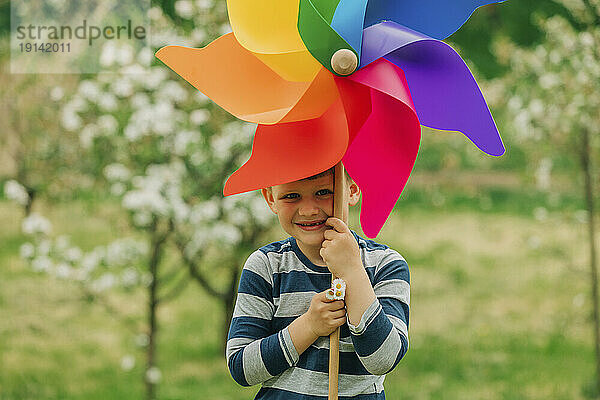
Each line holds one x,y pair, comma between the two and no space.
344,62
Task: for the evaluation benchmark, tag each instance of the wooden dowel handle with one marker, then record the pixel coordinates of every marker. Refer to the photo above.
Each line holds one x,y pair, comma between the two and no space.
339,199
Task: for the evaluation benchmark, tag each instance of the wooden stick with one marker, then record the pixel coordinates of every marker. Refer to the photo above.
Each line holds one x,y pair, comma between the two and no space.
339,199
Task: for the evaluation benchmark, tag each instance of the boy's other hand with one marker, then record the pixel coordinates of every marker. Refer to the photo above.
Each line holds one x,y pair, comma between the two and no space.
324,315
339,249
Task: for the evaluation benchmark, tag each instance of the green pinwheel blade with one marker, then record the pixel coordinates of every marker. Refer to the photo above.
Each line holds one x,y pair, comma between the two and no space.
326,8
319,37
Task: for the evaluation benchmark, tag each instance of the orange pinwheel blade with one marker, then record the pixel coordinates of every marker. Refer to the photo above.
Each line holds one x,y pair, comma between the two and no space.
243,85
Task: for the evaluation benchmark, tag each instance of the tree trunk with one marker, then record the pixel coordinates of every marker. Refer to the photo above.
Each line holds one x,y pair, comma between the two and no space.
586,164
156,247
229,304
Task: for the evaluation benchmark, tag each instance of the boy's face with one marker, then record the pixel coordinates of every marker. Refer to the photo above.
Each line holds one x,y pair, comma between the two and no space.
303,207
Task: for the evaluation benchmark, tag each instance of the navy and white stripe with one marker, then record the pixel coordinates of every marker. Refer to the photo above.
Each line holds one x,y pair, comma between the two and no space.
276,286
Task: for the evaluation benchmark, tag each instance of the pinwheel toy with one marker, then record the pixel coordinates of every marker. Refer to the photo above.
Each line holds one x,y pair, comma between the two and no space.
331,81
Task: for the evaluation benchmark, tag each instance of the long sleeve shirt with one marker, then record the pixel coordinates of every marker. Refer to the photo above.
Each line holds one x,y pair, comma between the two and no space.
276,286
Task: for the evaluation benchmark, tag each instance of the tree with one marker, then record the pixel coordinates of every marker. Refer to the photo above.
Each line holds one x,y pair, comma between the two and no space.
553,94
163,151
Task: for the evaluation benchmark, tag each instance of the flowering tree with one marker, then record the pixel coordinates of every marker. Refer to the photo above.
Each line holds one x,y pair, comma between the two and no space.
164,151
33,147
554,102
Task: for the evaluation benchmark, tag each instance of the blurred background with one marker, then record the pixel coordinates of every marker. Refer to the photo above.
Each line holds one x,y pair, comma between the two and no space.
119,257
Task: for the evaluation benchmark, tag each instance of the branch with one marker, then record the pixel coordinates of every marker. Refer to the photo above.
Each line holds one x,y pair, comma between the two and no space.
197,274
175,290
114,312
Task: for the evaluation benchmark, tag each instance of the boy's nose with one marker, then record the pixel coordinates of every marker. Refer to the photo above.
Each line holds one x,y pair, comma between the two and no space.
308,208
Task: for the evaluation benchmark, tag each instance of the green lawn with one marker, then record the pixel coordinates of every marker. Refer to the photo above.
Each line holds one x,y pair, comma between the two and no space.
499,310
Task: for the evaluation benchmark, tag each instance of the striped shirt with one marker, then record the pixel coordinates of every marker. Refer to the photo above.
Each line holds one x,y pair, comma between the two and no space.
276,286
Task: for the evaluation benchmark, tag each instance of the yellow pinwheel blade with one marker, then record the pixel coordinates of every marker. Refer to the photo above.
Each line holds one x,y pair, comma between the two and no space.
270,30
266,26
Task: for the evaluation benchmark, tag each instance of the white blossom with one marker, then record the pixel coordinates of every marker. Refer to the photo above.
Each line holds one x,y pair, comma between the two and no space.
145,56
73,254
139,100
130,277
87,135
107,102
105,282
540,213
172,91
70,120
16,192
57,93
199,117
127,363
153,374
122,87
184,9
155,13
36,224
204,212
41,264
108,54
63,271
142,340
27,250
204,4
226,234
108,124
117,172
543,174
125,54
89,90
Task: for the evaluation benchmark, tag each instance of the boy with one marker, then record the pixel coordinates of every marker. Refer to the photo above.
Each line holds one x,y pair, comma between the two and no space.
279,333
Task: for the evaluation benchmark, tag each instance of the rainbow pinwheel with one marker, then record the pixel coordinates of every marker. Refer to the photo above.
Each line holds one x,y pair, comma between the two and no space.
341,80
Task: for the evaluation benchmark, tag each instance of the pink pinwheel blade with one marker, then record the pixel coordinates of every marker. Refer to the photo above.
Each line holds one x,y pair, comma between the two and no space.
382,156
443,89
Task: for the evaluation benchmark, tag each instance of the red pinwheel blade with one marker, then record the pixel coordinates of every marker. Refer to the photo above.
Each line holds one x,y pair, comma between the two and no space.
291,151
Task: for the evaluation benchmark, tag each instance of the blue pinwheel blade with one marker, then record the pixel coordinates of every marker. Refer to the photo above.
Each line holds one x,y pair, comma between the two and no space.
348,21
435,18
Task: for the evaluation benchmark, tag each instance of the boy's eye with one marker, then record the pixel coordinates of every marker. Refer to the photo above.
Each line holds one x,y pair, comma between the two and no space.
290,196
324,192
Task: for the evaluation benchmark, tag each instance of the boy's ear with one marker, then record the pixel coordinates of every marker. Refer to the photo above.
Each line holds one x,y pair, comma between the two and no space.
354,191
268,196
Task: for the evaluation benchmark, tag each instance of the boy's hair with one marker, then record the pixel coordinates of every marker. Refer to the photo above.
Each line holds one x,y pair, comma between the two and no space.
324,173
330,171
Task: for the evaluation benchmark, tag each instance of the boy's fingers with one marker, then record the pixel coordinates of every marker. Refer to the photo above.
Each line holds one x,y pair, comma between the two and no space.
337,224
329,234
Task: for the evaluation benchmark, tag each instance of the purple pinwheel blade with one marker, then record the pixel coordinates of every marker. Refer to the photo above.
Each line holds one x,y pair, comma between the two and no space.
443,89
435,18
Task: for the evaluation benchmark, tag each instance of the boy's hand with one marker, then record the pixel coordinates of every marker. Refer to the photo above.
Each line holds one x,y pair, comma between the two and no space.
324,316
340,249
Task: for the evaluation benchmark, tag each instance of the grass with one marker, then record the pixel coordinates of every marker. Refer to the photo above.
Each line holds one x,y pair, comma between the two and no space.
499,310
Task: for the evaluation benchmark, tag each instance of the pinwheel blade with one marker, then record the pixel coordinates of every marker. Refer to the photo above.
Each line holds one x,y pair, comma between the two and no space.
319,37
244,86
348,21
435,18
288,152
383,153
445,94
266,26
269,29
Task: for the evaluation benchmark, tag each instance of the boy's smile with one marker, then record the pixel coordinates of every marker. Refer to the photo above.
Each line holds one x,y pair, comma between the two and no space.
302,208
